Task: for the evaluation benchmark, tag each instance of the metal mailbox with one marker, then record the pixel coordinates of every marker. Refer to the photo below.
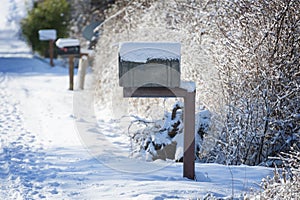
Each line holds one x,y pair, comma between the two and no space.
149,64
68,46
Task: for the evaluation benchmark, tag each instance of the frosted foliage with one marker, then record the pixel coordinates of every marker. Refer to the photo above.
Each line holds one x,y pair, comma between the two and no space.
259,69
286,182
163,139
158,21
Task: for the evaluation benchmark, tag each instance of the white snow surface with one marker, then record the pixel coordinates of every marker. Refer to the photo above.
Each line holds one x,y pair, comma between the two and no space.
142,51
44,154
190,86
11,13
47,34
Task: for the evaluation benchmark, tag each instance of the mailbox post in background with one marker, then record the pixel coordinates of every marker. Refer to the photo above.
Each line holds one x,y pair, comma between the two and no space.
48,35
152,70
71,48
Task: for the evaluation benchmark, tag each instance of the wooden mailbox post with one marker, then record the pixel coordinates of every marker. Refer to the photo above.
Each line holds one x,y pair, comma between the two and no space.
71,48
189,119
48,35
152,70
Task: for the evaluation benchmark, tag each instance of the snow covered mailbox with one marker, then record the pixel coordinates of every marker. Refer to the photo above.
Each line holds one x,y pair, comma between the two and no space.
149,64
152,70
50,35
68,46
47,34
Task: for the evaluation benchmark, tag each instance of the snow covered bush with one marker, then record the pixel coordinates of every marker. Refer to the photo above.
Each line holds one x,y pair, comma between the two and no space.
259,71
286,183
48,14
163,139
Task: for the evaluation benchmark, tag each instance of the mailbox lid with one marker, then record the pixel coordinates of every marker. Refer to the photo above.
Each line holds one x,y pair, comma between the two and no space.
149,64
71,50
142,52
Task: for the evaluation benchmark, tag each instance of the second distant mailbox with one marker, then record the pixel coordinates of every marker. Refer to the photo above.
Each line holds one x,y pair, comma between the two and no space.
68,46
48,35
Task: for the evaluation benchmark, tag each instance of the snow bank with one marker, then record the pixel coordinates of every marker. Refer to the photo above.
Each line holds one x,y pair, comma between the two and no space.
11,13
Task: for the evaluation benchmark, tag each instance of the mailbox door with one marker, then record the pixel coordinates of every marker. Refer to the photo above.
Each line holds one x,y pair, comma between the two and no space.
72,50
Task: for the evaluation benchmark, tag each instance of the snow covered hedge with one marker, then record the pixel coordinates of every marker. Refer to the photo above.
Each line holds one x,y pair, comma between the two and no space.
259,70
252,94
286,183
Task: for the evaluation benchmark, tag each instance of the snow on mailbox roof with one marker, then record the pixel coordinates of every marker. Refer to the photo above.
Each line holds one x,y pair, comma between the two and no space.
190,86
47,34
67,42
143,51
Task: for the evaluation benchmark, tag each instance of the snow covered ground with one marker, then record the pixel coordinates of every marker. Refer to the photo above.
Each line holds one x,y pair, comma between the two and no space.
49,148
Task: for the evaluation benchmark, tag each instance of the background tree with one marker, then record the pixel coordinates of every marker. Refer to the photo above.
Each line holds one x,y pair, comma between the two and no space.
48,14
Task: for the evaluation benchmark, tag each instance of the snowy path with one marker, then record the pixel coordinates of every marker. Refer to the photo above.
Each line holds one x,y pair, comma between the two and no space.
30,164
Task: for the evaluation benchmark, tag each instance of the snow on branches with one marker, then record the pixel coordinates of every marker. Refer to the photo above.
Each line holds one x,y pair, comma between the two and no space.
286,182
259,71
163,139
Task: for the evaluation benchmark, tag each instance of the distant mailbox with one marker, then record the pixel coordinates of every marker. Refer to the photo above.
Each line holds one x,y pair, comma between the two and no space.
149,64
68,46
47,34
